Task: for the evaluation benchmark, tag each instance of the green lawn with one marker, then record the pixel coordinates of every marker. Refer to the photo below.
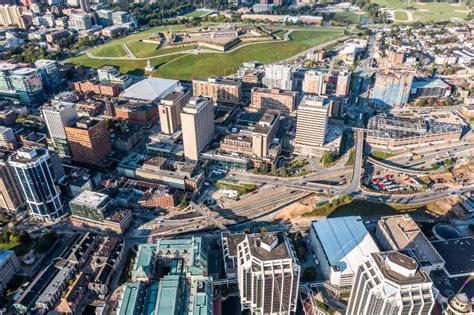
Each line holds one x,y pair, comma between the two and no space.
364,208
197,13
426,12
19,248
115,46
401,16
144,50
136,67
381,155
225,64
185,67
109,51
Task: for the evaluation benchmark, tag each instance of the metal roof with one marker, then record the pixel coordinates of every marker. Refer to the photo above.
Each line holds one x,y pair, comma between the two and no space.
345,241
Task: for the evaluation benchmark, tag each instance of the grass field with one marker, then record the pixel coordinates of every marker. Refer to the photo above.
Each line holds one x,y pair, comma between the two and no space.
185,67
225,64
381,155
144,50
426,12
109,51
135,67
114,48
196,13
401,16
365,208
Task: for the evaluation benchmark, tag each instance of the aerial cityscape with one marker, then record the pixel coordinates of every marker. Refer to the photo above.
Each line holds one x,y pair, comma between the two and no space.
236,157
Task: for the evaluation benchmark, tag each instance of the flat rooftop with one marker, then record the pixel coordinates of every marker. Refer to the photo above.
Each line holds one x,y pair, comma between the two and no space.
458,254
280,251
419,276
406,235
345,241
91,199
150,89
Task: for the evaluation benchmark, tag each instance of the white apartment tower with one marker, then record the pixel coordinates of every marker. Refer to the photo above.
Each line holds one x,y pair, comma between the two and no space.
197,120
391,283
57,116
268,274
278,76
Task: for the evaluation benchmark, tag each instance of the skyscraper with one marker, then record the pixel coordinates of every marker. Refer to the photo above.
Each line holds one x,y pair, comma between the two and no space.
197,120
311,123
392,89
267,271
57,117
49,73
170,108
89,140
34,171
391,283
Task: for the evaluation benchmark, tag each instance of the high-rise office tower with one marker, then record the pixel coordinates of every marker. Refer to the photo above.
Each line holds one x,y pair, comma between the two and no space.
278,76
49,73
312,119
268,274
10,195
34,172
392,89
197,121
57,117
170,108
89,140
391,283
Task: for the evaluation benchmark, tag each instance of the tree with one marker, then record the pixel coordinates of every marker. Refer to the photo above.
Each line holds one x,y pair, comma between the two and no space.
184,201
471,227
309,274
263,229
327,158
247,230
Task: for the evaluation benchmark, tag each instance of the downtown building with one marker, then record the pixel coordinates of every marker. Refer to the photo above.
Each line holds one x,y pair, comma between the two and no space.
89,140
50,74
11,199
35,173
279,76
220,90
170,109
267,271
57,117
392,88
263,98
341,244
197,119
400,133
311,125
391,283
21,85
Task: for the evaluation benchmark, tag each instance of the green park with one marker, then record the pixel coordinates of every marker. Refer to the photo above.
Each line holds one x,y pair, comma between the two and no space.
131,53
